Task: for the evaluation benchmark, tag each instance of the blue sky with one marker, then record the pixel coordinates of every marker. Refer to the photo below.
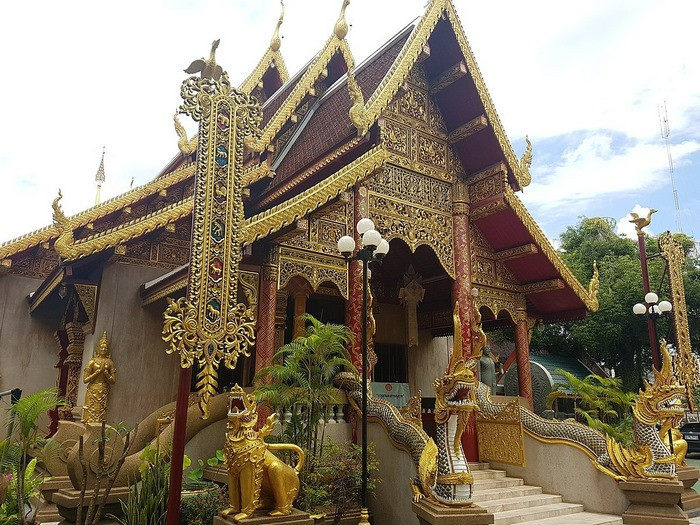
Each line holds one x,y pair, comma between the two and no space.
582,78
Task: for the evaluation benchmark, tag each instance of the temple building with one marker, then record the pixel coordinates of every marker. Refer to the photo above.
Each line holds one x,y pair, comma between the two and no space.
409,138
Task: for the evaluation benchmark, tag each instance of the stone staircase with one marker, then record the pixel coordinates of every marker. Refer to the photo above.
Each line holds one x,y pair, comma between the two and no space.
512,501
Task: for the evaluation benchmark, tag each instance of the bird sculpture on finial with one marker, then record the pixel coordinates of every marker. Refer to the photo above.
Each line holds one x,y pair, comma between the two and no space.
276,41
207,68
641,222
341,26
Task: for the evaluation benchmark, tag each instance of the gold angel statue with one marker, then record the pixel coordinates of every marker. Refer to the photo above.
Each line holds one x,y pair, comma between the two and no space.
99,374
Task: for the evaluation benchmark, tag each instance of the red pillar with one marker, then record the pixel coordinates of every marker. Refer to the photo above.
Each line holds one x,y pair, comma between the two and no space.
353,306
522,356
461,291
651,326
265,330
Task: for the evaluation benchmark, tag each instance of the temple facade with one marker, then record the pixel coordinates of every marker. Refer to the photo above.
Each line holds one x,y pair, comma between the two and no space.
409,138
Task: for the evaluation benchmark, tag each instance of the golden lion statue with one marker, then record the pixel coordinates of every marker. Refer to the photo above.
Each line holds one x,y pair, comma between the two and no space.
256,477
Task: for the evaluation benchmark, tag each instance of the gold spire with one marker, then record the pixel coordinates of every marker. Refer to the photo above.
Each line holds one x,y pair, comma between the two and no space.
276,41
100,177
341,26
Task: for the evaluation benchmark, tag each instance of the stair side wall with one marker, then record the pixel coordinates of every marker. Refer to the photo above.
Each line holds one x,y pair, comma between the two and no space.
565,470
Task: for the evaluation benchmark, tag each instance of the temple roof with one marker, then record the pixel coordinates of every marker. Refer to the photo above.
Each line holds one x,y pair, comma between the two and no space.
311,151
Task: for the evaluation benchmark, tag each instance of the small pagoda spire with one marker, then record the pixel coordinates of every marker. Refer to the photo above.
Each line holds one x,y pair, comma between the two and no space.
276,41
100,177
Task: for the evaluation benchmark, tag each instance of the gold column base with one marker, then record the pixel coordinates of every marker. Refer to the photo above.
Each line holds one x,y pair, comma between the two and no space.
364,517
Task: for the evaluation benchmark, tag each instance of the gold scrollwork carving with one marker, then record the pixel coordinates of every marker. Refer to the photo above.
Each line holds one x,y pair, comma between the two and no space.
500,437
316,268
421,215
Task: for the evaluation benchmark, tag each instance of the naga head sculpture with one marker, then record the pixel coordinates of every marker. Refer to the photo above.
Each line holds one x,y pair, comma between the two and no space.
455,390
242,409
663,399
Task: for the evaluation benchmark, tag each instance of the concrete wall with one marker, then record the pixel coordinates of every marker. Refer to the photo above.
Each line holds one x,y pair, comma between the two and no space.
28,350
565,470
427,362
146,376
391,503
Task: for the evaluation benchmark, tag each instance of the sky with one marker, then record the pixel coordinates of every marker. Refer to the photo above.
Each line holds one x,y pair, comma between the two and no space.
584,79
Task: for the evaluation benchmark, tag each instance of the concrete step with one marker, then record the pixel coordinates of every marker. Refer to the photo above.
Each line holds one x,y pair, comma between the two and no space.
581,518
536,514
482,496
521,502
488,474
497,483
479,466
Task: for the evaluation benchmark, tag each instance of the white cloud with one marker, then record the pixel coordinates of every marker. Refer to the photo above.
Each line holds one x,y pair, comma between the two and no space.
625,227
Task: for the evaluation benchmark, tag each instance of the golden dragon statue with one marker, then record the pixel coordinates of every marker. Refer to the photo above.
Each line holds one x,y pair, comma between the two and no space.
443,474
257,479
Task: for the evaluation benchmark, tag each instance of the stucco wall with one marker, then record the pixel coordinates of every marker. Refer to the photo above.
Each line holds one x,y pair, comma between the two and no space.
391,503
427,362
565,470
146,376
28,350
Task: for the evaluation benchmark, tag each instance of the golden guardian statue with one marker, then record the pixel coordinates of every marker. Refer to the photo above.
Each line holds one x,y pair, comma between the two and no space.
99,374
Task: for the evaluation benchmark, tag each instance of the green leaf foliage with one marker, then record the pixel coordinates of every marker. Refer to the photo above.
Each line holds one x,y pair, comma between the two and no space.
613,336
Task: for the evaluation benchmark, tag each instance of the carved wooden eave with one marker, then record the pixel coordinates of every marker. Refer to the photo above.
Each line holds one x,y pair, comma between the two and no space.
413,51
163,286
546,248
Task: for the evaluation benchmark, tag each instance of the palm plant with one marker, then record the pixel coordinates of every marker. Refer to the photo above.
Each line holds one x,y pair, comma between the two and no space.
303,376
23,419
600,402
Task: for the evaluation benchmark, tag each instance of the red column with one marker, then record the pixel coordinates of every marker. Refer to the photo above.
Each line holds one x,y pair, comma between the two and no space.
522,356
461,290
353,306
265,331
651,326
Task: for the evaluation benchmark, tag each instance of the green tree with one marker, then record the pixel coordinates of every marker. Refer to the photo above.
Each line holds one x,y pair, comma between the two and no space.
614,336
303,377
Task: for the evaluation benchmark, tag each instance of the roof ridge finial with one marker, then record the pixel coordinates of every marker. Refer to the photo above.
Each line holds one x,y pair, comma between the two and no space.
276,41
100,177
341,26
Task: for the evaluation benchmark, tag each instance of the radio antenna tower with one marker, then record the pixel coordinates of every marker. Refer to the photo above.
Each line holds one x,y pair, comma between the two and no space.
665,134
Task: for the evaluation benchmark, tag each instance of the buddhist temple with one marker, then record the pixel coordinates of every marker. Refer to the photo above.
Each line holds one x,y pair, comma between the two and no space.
409,138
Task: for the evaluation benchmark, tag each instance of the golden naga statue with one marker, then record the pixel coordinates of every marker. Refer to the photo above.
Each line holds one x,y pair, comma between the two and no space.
99,374
257,479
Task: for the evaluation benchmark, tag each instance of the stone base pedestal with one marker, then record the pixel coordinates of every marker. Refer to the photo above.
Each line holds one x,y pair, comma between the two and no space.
67,502
653,503
690,499
297,517
431,514
48,512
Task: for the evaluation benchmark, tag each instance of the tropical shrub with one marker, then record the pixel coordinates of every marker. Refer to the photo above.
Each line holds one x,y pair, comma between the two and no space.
599,402
200,509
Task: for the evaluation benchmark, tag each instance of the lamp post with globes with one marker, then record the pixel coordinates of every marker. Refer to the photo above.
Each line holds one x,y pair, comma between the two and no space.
374,248
653,309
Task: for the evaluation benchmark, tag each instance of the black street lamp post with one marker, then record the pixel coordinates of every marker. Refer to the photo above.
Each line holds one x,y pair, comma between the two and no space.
374,248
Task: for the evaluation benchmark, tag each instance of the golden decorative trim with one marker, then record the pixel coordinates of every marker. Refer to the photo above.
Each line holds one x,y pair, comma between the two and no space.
468,129
277,217
542,286
498,299
517,252
301,90
84,218
127,231
548,250
259,172
36,301
500,437
298,179
178,285
88,298
448,77
684,362
316,268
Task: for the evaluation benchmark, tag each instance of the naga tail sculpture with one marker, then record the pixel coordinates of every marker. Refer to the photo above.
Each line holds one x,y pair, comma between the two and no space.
256,477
